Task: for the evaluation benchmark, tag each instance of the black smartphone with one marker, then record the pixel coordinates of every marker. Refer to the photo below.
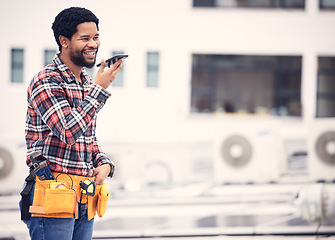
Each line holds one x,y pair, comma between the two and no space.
113,59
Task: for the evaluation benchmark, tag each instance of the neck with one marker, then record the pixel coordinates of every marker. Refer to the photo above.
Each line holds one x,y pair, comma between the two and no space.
73,67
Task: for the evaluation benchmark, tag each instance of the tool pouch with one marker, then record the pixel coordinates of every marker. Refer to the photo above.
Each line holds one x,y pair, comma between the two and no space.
98,203
58,202
102,204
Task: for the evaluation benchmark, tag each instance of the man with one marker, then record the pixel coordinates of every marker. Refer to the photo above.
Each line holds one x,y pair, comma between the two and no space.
61,118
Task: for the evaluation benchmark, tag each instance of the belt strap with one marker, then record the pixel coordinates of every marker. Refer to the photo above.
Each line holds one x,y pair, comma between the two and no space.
25,215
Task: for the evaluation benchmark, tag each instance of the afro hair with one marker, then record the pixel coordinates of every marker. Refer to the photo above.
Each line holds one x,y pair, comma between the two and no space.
66,22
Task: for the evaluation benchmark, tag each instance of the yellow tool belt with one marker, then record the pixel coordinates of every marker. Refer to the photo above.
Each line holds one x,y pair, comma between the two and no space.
59,198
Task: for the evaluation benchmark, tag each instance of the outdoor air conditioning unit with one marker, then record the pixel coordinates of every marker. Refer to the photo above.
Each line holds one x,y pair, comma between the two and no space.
13,168
247,153
150,164
321,147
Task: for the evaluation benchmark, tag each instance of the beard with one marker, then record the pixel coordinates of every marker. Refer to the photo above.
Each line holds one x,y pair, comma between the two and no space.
77,57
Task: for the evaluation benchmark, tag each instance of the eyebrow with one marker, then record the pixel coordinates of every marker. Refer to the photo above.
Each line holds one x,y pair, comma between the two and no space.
85,36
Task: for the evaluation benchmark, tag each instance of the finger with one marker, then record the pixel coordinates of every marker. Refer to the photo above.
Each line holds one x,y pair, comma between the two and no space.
114,69
118,64
99,181
102,66
95,172
97,176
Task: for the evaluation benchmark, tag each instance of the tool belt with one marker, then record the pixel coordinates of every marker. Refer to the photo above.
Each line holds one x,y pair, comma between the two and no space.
59,198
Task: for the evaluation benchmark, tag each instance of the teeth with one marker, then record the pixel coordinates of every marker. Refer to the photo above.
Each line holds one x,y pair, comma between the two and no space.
90,53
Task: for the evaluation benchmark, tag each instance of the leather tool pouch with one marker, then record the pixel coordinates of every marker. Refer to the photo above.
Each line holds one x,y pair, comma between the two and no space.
52,201
60,201
97,204
102,204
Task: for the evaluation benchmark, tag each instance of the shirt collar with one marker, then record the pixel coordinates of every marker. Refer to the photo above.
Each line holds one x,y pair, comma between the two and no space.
85,77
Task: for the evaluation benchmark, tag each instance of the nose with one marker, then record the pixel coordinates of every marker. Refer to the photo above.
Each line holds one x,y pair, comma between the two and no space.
93,44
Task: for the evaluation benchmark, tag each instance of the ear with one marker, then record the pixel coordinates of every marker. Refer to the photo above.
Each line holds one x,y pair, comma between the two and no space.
64,41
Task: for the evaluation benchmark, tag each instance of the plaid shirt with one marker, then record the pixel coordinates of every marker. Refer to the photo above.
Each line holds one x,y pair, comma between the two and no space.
61,120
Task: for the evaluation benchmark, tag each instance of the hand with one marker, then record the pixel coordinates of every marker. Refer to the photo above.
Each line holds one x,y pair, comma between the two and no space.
105,77
101,173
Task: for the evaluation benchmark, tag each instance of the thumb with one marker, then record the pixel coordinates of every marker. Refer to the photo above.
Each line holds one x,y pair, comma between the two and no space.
102,66
95,172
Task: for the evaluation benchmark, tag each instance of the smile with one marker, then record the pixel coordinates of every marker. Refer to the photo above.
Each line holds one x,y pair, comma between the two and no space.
90,53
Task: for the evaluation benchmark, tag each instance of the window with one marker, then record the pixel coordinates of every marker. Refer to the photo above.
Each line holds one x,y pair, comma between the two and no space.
246,84
152,69
325,106
48,56
118,81
17,56
300,4
327,4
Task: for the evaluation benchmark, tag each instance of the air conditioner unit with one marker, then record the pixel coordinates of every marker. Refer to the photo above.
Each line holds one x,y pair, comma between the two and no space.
149,164
321,150
13,168
247,152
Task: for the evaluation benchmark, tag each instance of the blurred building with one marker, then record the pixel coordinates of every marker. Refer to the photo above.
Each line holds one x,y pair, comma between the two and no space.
213,90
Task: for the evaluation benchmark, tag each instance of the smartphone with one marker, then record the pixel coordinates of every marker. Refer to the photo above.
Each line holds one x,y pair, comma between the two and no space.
113,59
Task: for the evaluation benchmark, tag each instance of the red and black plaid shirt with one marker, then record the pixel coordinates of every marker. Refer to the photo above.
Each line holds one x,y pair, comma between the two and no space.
61,120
